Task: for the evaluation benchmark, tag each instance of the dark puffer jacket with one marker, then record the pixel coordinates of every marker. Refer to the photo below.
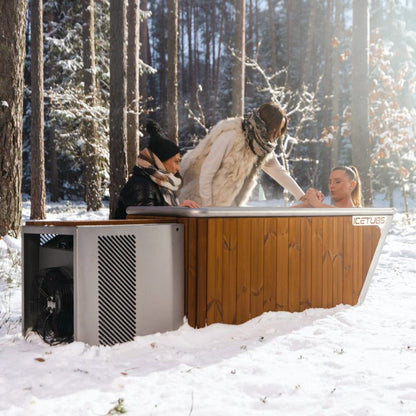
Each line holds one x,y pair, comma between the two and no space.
139,190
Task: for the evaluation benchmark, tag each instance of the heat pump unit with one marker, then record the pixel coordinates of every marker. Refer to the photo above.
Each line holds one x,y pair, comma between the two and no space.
102,284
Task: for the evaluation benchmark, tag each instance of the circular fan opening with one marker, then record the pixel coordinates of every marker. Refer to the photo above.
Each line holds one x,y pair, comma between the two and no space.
53,305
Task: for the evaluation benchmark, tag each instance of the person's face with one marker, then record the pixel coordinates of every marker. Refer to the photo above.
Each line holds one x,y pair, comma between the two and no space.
173,165
340,185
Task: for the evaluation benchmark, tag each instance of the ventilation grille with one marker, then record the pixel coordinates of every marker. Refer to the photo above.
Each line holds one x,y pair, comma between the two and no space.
45,238
116,289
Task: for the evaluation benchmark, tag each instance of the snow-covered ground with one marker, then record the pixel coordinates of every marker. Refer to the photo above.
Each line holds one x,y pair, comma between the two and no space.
342,361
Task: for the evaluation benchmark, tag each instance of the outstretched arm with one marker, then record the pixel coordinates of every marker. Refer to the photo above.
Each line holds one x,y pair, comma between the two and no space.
274,169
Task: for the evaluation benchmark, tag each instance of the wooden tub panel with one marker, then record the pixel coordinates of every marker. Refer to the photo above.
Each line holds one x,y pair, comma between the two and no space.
294,263
270,264
214,271
257,269
229,271
267,264
306,264
202,271
243,278
191,275
317,262
348,267
337,249
327,275
357,265
282,265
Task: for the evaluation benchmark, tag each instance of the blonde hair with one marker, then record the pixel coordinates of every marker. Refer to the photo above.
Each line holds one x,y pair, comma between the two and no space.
353,175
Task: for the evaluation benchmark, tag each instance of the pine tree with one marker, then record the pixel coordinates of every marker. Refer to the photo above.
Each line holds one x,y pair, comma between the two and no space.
133,25
238,83
38,186
118,156
12,54
361,145
172,86
92,176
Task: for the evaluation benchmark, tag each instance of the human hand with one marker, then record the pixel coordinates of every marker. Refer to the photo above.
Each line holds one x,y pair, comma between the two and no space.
189,204
314,197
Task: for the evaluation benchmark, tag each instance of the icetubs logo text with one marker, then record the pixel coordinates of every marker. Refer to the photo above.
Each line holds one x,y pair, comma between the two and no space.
360,220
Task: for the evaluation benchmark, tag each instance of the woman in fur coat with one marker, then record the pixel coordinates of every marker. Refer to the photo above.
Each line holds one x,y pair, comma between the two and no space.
224,167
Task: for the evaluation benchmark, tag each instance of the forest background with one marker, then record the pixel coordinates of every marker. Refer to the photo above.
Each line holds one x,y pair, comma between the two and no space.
94,71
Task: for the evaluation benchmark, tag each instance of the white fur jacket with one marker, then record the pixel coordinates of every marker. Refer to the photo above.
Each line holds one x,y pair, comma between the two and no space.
217,171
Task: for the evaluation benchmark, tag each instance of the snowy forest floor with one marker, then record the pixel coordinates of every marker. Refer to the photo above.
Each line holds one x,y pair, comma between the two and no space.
347,360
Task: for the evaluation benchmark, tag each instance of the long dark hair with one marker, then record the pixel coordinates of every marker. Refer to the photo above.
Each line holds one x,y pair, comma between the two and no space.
272,114
352,173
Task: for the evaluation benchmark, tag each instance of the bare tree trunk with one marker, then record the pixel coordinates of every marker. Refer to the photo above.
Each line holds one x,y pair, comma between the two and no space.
218,62
145,57
51,142
89,128
360,89
195,58
250,47
191,73
54,165
208,39
12,55
238,90
272,33
335,83
37,163
289,24
256,24
327,98
182,58
163,65
173,126
307,67
118,157
252,42
132,83
214,18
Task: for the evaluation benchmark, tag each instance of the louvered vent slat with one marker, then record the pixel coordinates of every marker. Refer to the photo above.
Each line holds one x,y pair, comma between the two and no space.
116,289
44,238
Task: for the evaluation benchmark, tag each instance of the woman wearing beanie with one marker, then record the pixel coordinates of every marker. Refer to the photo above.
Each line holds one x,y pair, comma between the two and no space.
223,169
155,180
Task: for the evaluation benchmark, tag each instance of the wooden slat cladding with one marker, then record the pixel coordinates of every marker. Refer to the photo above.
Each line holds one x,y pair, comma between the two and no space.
243,294
238,268
306,266
196,241
282,264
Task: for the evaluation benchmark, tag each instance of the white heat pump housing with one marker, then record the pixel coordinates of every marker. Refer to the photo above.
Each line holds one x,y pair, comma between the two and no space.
128,280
